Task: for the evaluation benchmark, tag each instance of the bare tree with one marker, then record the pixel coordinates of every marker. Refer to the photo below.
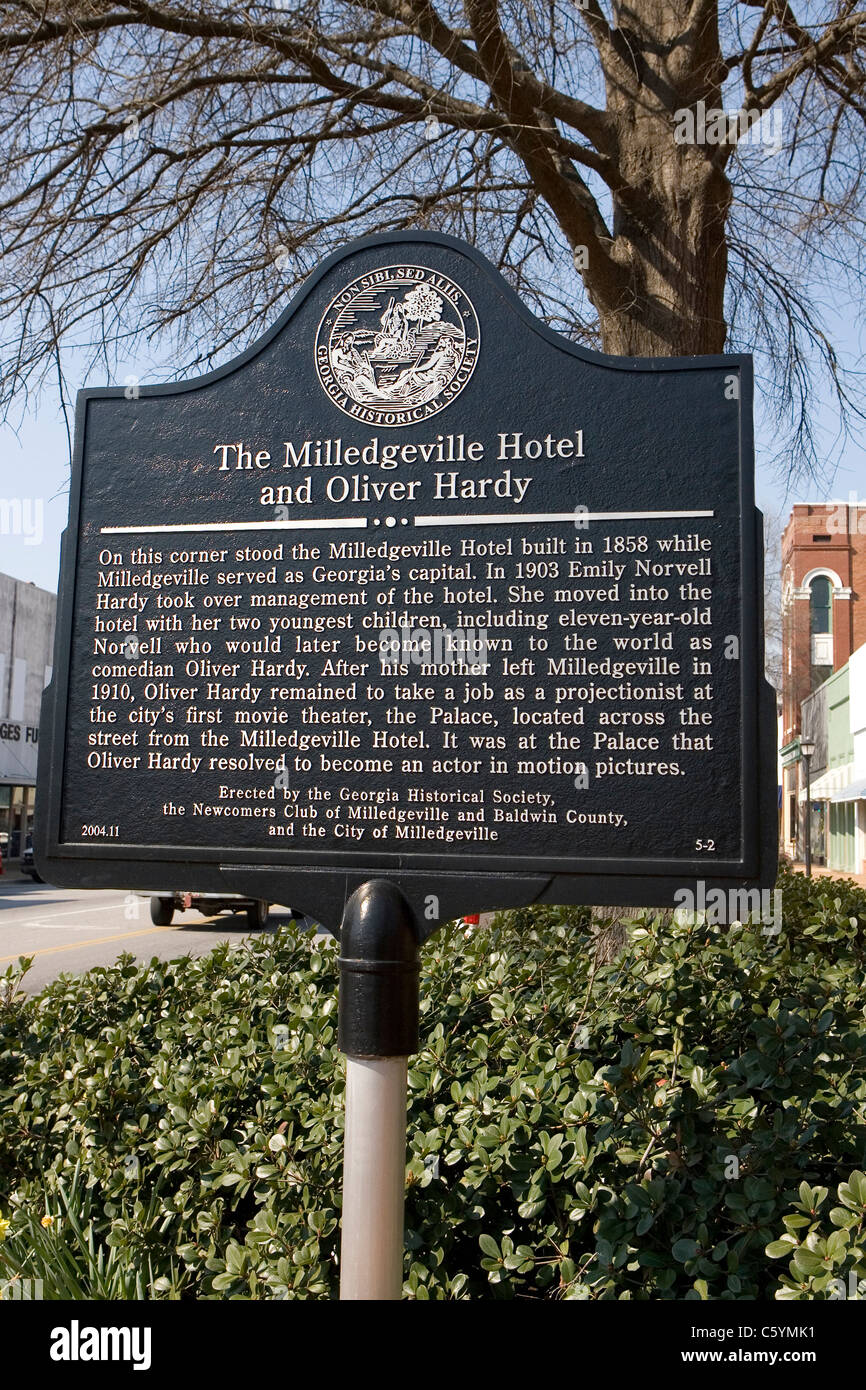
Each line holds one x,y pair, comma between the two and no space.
655,177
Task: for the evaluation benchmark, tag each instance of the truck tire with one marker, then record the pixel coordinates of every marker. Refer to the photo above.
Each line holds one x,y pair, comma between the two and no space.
257,915
161,911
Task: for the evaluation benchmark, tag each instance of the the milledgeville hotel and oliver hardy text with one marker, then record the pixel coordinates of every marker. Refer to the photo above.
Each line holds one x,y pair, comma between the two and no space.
536,675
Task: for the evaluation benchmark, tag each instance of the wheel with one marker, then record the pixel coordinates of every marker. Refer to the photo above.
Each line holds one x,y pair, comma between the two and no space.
257,915
161,911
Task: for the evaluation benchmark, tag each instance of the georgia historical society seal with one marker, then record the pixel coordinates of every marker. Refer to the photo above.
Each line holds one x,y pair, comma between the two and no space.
397,345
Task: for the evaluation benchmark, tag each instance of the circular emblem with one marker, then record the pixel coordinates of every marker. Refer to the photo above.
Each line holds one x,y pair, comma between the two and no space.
397,345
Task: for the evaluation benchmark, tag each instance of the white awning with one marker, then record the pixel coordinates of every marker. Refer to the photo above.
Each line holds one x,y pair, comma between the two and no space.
856,792
823,788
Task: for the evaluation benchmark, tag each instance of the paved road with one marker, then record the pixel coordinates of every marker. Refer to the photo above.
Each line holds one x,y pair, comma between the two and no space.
72,929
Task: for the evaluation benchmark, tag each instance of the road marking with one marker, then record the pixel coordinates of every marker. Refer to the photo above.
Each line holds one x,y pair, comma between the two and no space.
95,941
73,911
45,920
36,924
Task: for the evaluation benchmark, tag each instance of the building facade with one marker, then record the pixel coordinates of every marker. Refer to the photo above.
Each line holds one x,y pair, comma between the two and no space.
823,624
847,810
27,617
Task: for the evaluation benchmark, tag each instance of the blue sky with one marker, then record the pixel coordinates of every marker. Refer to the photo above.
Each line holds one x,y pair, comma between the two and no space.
34,459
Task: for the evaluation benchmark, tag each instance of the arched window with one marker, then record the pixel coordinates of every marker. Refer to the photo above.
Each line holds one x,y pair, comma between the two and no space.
820,605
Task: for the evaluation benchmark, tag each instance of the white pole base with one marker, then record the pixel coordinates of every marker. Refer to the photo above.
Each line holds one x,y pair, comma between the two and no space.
374,1179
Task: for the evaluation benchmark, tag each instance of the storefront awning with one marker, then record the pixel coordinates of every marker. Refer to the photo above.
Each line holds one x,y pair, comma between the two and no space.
824,788
856,792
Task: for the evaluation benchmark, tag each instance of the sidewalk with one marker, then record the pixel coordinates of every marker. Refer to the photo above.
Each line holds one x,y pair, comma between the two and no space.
818,871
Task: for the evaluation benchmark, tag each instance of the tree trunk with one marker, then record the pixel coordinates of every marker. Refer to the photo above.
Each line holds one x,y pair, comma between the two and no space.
669,214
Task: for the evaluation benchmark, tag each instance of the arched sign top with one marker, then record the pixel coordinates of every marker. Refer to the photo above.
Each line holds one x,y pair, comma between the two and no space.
413,242
413,588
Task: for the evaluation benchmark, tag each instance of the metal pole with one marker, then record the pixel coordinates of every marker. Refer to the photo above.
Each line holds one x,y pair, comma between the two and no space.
808,849
378,1031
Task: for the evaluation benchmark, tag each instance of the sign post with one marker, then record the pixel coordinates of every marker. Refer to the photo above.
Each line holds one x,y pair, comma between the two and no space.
378,1031
415,597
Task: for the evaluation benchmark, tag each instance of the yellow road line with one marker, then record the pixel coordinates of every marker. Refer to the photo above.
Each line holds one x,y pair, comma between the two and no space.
94,941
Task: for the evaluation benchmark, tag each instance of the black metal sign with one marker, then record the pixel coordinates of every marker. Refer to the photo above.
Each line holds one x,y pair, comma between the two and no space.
415,588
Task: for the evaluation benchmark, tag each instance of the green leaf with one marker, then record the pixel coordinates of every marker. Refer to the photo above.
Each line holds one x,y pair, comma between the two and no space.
807,1261
777,1248
797,1221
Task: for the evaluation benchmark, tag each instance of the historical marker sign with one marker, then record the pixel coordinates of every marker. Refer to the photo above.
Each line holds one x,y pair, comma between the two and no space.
414,588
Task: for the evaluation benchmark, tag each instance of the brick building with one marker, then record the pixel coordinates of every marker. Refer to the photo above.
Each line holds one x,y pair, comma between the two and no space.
823,624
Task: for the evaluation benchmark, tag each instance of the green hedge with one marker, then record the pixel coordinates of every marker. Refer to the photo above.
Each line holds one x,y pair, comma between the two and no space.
634,1130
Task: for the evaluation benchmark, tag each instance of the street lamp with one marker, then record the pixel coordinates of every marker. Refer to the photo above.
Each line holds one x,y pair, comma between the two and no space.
806,751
